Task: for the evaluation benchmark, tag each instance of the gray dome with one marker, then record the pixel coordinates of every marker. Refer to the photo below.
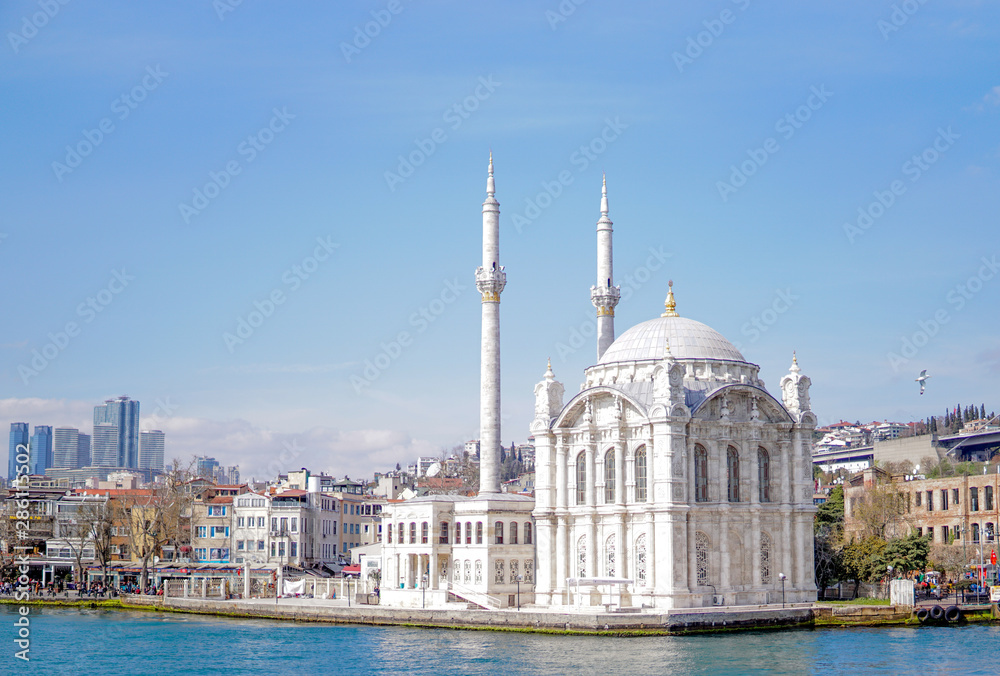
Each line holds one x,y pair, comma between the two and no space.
688,340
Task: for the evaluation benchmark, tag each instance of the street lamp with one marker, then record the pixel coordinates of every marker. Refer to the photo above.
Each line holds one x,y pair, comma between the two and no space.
518,579
782,577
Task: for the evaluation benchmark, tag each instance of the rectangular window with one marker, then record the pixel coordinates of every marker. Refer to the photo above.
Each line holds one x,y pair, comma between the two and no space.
944,499
954,496
274,523
239,545
920,532
974,499
930,501
294,548
260,545
272,548
239,522
295,525
944,534
917,500
284,524
281,548
260,521
989,497
201,531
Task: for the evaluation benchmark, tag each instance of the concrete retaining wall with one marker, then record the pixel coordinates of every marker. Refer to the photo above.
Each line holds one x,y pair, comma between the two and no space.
678,622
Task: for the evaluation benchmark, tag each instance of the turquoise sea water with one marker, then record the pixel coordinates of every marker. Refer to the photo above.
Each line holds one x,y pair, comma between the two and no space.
71,641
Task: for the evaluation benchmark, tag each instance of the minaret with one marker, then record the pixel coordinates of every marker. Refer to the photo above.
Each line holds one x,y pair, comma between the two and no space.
490,281
605,295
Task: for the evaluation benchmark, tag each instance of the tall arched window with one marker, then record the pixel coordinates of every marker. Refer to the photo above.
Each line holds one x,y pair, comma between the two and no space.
640,474
581,478
479,532
763,476
733,474
640,560
527,532
975,532
424,528
513,532
609,477
443,537
400,532
388,532
701,557
765,558
700,474
468,532
498,533
413,532
458,532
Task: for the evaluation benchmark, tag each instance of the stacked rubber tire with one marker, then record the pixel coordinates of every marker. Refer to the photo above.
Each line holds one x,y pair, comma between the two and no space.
939,615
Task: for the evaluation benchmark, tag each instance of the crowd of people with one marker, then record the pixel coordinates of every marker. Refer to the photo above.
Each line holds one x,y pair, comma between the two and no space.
94,589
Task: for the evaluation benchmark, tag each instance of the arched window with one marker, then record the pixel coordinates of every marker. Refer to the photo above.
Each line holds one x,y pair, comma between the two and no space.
700,474
513,532
388,532
581,479
498,533
989,533
640,474
400,540
765,558
609,477
458,532
701,557
763,476
468,532
733,474
609,556
424,528
413,532
443,538
975,532
527,532
640,560
479,532
581,556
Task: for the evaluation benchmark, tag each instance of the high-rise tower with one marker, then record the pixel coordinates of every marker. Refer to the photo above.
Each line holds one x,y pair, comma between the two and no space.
123,413
605,295
490,281
18,437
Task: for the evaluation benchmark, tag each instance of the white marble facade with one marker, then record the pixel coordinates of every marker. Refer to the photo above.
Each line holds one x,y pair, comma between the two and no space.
675,468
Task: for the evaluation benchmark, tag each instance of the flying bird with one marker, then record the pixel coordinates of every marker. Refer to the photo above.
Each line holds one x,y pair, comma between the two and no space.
922,379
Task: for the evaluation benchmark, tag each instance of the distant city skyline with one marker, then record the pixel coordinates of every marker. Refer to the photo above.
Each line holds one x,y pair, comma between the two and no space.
264,225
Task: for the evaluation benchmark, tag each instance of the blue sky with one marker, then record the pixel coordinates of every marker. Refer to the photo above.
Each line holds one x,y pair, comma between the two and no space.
740,141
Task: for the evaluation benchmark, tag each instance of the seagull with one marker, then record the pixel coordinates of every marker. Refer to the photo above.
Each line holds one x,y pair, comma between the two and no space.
922,379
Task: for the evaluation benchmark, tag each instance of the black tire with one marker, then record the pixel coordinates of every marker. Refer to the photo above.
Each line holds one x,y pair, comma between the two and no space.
922,615
952,613
937,612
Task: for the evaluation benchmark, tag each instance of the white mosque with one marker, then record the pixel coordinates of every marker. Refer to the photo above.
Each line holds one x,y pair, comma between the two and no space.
672,479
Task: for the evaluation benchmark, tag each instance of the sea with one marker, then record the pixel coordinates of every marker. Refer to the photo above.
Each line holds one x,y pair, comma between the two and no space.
97,641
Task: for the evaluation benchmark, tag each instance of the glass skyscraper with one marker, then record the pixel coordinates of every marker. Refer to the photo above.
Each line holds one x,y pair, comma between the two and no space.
151,449
83,450
18,436
41,449
123,414
66,447
104,446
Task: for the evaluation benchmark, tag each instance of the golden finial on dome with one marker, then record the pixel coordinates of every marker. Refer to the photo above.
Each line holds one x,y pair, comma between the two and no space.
670,305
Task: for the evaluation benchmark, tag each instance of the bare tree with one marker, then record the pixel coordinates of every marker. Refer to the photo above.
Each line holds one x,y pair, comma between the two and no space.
100,517
156,516
880,512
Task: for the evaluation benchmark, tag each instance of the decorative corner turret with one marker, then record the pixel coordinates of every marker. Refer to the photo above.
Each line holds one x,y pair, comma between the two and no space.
795,391
548,397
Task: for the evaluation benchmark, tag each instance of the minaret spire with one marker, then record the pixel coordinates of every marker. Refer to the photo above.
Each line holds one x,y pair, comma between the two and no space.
490,281
605,295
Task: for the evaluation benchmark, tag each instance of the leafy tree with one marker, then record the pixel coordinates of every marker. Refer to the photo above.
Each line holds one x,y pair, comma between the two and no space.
862,560
828,558
906,553
830,514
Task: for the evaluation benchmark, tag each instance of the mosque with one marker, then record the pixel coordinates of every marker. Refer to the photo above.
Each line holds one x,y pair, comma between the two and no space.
672,479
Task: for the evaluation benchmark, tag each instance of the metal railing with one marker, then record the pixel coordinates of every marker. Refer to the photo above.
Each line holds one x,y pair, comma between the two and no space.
473,596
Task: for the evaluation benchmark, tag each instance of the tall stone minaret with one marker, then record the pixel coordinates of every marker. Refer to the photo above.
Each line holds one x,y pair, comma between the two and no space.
605,295
490,281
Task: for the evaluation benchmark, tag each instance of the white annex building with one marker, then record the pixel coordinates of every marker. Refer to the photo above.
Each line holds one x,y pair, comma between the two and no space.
672,479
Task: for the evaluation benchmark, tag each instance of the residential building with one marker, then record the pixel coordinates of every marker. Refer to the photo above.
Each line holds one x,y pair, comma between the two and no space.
211,525
251,522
